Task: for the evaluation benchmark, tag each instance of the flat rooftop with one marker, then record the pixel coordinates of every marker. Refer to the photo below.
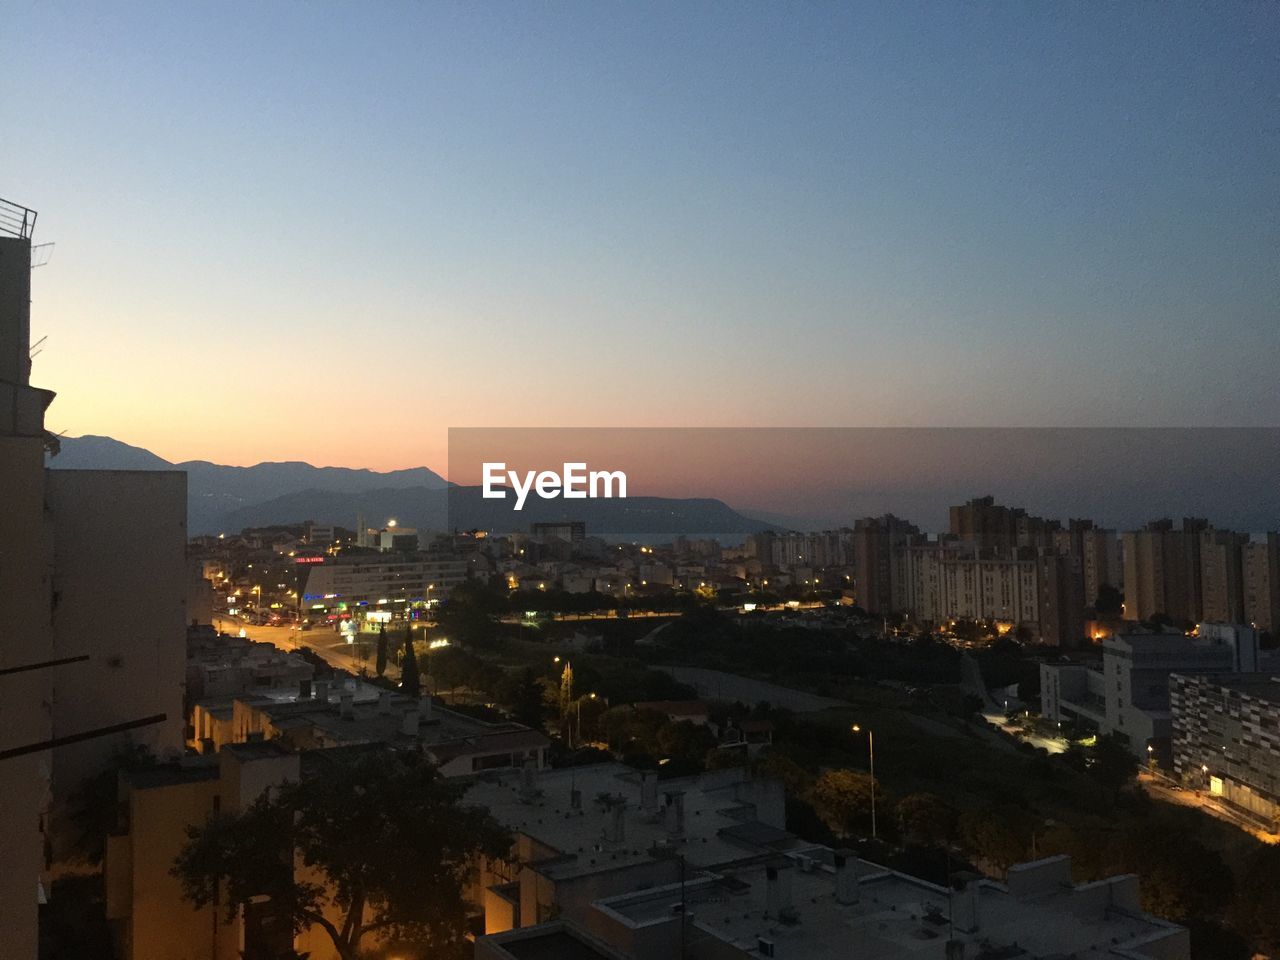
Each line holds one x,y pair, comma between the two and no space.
721,819
895,917
376,716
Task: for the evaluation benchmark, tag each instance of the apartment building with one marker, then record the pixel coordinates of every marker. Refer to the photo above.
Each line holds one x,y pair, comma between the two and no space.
1260,570
807,902
1226,740
80,680
1128,692
349,712
366,584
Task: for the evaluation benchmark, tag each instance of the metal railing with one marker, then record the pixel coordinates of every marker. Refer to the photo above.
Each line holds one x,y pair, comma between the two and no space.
16,220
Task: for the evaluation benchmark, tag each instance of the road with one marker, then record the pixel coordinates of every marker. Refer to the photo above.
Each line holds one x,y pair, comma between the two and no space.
323,641
1048,744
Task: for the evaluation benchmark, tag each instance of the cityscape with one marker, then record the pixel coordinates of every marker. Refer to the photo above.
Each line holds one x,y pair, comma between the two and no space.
277,683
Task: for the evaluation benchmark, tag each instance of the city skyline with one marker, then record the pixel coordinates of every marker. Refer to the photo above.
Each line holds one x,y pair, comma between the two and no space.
381,223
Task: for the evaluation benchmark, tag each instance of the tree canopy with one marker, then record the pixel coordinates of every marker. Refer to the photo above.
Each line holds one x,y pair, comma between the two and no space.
378,844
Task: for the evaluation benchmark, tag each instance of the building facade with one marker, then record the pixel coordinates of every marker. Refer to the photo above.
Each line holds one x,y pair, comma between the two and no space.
1226,740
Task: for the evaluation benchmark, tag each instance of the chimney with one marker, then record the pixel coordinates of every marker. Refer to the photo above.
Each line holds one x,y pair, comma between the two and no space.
528,781
615,830
409,723
304,689
384,703
674,816
648,790
347,707
575,799
425,707
846,876
777,891
322,691
965,901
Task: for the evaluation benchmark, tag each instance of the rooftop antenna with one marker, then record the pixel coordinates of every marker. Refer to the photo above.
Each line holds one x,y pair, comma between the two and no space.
37,347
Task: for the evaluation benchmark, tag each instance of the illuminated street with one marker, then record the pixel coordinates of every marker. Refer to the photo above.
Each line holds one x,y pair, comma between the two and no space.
1161,789
323,641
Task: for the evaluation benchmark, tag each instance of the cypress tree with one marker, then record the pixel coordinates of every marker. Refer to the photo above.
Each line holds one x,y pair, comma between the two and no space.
410,683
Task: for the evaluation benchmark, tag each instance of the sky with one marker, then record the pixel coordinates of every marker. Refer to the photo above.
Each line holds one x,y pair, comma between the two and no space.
331,231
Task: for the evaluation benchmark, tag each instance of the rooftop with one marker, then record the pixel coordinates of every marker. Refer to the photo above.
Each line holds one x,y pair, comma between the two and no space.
721,819
896,916
377,715
549,941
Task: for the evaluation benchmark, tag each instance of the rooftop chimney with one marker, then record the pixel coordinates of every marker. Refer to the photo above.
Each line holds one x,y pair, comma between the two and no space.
409,723
528,781
384,703
846,876
674,815
965,901
615,830
322,691
304,689
347,707
425,707
648,790
777,880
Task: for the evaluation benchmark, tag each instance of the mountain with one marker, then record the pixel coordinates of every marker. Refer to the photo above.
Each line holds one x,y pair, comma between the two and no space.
103,453
217,491
224,499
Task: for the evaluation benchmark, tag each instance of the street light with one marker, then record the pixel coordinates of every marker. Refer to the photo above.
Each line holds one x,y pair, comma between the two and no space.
871,762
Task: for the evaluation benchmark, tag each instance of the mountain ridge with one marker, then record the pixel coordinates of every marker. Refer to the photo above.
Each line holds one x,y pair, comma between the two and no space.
223,498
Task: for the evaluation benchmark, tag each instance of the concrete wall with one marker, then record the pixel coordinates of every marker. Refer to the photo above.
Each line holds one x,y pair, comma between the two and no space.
119,586
25,638
153,918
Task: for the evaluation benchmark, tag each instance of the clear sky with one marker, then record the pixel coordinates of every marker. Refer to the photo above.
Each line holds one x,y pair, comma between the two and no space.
328,231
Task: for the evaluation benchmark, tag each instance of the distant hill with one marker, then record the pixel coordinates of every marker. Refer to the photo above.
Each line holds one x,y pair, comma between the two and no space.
103,453
215,491
227,499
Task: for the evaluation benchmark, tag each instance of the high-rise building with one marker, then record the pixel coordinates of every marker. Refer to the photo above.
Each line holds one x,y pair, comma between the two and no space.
1260,571
1222,575
76,548
1162,572
1226,742
987,525
1099,553
26,654
871,547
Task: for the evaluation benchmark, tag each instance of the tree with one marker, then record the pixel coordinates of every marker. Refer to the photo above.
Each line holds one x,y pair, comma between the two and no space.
842,797
1181,877
382,843
926,819
381,665
998,836
773,764
410,682
1257,909
1112,765
525,697
566,693
1109,602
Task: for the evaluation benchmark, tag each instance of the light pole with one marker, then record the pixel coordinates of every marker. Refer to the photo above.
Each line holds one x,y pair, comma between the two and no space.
871,763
